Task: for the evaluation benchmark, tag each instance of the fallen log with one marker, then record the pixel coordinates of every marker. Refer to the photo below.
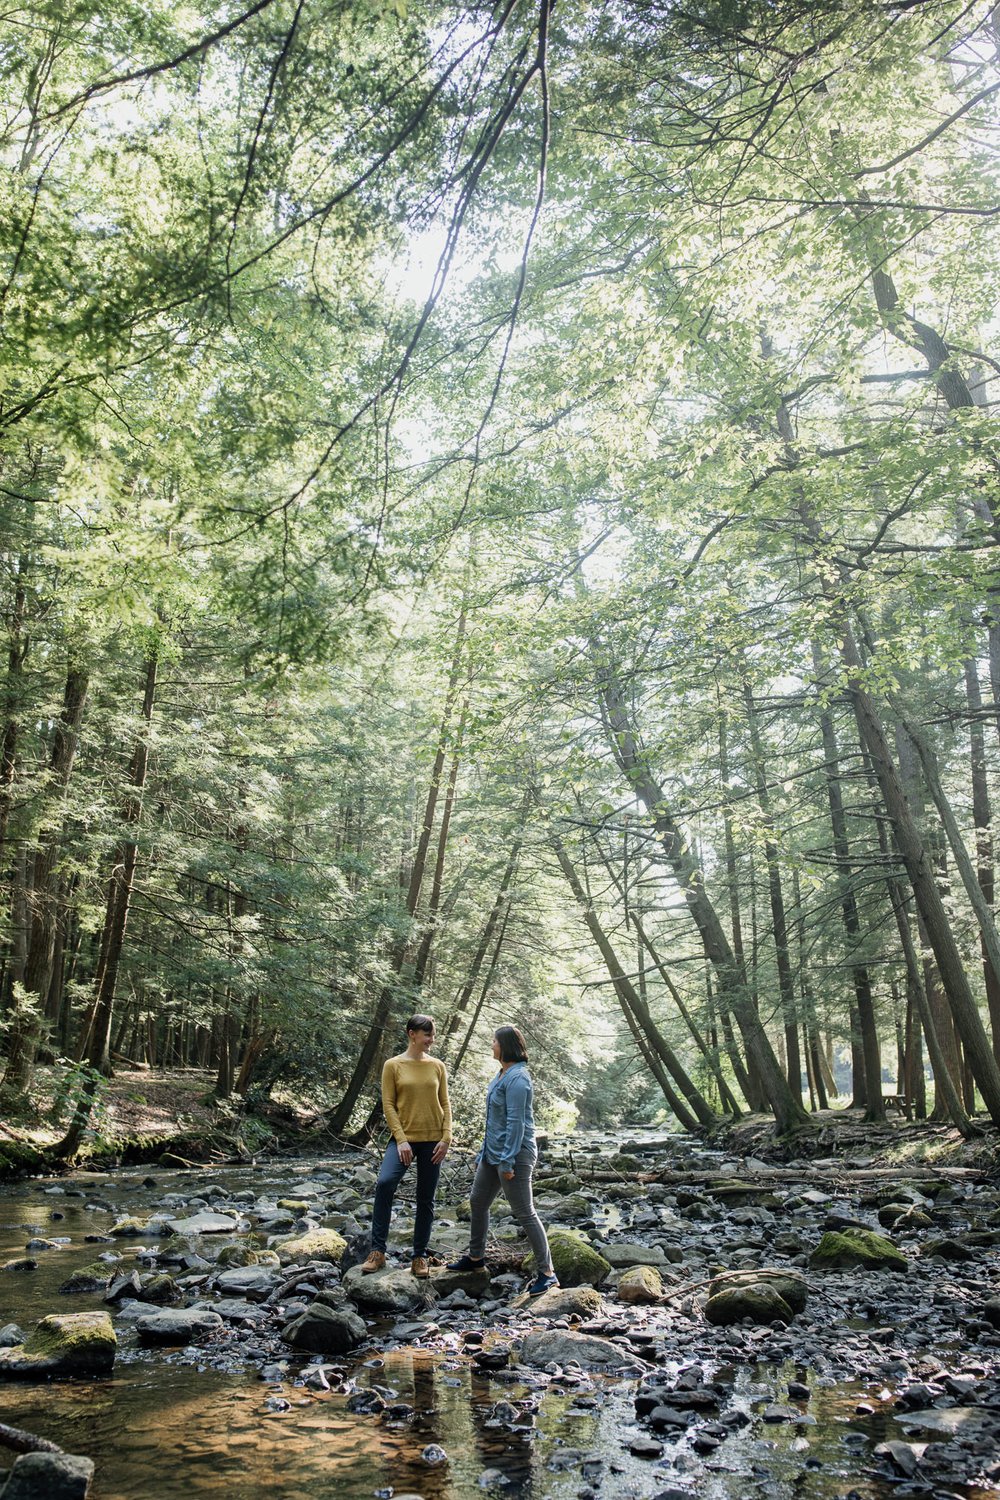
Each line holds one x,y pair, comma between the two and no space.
25,1442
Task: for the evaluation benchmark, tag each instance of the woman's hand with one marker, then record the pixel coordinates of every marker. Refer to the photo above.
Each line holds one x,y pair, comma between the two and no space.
405,1153
506,1176
439,1153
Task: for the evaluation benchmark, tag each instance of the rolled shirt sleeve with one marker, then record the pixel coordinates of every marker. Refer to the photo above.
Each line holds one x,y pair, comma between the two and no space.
518,1099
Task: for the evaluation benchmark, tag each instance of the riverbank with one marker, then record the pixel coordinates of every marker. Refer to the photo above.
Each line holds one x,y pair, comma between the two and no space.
247,1344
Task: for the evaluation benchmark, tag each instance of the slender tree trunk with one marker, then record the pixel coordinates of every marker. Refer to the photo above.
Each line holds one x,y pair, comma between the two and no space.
25,1029
864,1001
779,920
696,1109
788,1110
119,895
982,822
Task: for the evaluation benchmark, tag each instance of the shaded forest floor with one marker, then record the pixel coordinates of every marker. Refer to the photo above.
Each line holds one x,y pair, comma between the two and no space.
142,1113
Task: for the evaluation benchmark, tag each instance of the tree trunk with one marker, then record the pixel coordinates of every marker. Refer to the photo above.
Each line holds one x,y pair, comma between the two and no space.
43,909
788,1109
982,822
632,1006
779,920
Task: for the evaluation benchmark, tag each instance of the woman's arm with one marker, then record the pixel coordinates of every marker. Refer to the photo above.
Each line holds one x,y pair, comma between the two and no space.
518,1097
441,1149
389,1103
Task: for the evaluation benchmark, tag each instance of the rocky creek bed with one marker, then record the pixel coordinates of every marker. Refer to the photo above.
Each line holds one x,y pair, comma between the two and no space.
825,1328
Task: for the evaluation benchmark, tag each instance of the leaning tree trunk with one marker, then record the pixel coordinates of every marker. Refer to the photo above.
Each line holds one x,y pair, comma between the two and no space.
700,1111
788,1110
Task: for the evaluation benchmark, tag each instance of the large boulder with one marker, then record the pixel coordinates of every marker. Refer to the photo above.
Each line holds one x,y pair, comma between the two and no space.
558,1347
857,1249
63,1344
793,1289
576,1262
325,1330
177,1326
254,1282
49,1476
386,1291
315,1244
756,1301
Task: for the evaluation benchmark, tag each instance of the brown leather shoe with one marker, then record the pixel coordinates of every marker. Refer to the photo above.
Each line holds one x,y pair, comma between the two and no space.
375,1262
419,1266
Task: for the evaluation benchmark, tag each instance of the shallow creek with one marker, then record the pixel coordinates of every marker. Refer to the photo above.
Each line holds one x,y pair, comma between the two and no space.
174,1424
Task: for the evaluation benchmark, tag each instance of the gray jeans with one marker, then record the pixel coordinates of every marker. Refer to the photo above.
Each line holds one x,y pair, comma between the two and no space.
486,1184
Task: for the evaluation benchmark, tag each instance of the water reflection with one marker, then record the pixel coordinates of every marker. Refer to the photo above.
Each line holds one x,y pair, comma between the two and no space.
161,1426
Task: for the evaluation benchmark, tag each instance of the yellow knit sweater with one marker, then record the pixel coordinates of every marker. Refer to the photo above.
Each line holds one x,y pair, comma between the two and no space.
415,1099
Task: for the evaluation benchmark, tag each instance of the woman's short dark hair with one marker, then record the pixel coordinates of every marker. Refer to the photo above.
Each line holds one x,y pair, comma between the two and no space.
513,1047
420,1023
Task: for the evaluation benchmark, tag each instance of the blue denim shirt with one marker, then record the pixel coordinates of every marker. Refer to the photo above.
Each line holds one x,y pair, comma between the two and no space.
510,1124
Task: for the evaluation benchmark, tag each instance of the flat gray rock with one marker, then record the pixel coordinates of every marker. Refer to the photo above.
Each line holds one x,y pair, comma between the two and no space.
625,1254
178,1326
389,1291
558,1347
205,1223
249,1281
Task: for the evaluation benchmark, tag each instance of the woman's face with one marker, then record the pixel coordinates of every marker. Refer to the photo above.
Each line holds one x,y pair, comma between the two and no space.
496,1049
421,1041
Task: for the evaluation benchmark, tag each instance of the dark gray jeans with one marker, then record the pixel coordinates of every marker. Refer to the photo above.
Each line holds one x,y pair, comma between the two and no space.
486,1184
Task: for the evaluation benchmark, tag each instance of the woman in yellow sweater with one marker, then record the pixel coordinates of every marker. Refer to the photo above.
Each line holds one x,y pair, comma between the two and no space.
417,1111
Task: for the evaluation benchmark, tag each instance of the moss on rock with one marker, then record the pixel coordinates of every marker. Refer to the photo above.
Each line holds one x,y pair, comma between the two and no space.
857,1249
759,1302
792,1288
576,1262
315,1244
63,1344
640,1284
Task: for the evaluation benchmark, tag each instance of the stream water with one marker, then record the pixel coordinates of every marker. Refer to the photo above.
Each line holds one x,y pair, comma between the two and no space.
169,1424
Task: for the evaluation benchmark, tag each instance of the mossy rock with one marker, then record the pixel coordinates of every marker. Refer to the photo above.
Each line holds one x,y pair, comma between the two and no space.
640,1284
159,1288
296,1205
793,1289
237,1255
61,1345
20,1160
127,1228
573,1206
759,1302
623,1162
565,1182
857,1249
92,1278
576,1262
315,1244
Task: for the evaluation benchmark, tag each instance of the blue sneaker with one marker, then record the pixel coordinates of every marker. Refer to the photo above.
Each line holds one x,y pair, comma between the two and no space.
542,1284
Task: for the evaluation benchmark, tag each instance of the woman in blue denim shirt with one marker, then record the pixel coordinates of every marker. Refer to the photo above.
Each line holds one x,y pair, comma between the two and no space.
507,1161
